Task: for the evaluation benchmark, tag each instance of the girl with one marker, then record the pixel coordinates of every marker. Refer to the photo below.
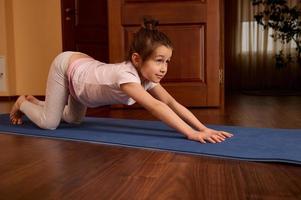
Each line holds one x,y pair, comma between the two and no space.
77,81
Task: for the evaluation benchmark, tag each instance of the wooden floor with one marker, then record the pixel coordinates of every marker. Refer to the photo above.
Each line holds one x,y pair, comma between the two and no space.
33,168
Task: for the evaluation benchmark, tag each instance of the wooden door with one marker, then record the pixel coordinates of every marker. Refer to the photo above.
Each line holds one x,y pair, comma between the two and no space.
84,27
194,26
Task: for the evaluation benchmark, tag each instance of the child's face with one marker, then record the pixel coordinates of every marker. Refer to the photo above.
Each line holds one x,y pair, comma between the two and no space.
155,68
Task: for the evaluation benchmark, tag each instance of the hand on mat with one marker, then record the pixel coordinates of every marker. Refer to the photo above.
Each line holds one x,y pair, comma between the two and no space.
210,135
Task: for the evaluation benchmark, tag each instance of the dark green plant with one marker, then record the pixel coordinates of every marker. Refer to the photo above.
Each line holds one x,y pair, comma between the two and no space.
286,23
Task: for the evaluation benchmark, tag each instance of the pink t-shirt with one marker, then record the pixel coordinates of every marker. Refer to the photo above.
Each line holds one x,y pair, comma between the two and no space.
94,83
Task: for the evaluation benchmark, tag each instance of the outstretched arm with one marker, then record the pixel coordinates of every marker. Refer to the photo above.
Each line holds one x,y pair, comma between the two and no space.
161,94
163,112
156,107
205,133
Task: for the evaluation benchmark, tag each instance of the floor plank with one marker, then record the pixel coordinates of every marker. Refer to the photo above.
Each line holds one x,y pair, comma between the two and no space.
39,168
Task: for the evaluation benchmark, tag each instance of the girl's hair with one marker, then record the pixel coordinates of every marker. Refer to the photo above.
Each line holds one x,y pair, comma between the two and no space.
147,39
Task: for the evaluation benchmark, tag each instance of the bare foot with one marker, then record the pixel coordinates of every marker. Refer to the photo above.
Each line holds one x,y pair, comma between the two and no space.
32,99
15,113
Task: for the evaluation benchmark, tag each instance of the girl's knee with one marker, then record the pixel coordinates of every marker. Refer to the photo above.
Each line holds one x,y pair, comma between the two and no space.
49,125
74,120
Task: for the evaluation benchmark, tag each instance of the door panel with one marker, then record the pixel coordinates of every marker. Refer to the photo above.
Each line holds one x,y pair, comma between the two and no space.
85,27
167,12
193,27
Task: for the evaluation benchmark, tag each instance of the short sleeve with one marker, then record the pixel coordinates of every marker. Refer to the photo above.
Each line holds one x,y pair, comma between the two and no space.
127,75
149,85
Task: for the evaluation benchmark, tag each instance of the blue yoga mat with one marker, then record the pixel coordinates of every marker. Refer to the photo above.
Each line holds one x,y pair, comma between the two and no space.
252,144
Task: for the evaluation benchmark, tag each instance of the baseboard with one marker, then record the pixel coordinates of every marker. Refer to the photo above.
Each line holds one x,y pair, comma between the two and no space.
8,98
14,98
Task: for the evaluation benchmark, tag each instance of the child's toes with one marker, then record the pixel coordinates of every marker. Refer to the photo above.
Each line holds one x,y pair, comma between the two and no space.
13,120
19,121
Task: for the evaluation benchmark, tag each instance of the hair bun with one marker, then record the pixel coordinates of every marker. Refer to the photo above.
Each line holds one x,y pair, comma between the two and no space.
150,24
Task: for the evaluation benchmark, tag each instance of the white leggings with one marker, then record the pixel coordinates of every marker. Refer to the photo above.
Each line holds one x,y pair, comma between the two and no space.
48,114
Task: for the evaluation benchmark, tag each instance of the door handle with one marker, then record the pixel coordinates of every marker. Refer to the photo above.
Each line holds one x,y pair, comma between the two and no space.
70,11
